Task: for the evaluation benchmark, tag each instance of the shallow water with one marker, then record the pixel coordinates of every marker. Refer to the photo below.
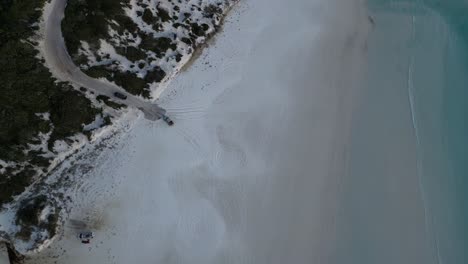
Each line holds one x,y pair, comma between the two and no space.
438,86
224,186
412,128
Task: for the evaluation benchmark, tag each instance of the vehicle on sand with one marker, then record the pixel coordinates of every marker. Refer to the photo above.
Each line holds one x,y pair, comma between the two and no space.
168,120
86,237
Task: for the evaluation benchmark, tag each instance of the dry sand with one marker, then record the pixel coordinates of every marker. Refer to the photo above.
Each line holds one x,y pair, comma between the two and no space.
252,170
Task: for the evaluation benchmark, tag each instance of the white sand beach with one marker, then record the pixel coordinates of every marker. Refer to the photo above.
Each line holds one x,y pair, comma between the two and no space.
252,170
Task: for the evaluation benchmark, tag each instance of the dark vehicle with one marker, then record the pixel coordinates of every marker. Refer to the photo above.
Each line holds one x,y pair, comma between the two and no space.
168,120
120,96
86,237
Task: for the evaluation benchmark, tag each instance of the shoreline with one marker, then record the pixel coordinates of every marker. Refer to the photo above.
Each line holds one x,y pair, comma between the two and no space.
388,213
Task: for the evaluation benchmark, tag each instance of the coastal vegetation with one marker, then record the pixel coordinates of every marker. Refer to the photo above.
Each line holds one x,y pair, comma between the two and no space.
138,44
135,44
35,110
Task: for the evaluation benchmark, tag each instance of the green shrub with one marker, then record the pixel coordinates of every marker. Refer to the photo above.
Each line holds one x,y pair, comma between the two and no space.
27,89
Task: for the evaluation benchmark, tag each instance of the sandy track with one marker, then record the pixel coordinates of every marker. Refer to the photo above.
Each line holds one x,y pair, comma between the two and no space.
255,175
59,62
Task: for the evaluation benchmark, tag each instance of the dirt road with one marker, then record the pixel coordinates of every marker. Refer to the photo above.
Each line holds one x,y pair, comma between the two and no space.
62,66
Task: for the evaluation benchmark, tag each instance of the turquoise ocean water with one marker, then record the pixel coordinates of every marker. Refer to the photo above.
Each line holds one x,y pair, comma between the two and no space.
437,57
405,197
